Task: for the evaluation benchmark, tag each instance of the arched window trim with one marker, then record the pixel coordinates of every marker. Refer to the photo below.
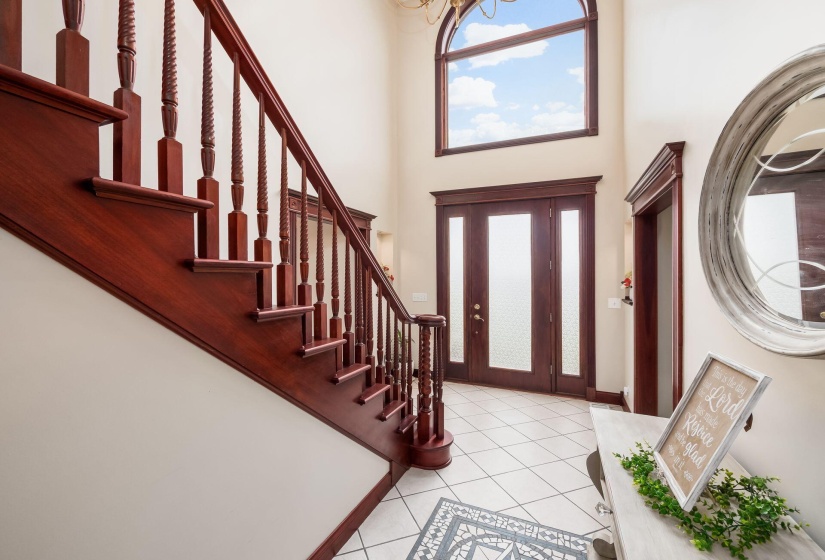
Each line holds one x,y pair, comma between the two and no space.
588,23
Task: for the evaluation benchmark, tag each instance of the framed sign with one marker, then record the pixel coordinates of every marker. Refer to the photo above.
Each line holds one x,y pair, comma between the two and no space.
704,425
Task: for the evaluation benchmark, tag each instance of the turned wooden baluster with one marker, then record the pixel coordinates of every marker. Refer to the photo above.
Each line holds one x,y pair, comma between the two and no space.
73,49
126,159
336,324
368,295
438,379
208,187
398,388
284,273
409,367
238,238
360,347
263,246
389,374
349,336
170,151
304,289
380,376
11,34
321,320
425,388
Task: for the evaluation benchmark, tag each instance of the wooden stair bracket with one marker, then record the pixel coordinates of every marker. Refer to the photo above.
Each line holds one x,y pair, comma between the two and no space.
431,444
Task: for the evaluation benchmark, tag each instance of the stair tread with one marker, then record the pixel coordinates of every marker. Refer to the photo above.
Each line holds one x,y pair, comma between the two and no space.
406,424
373,392
218,265
350,372
319,346
115,190
282,312
391,409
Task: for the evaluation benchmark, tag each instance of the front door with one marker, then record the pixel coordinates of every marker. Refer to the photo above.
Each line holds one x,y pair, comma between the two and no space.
514,291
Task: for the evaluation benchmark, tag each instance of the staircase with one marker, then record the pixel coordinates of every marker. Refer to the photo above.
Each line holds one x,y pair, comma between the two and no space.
352,370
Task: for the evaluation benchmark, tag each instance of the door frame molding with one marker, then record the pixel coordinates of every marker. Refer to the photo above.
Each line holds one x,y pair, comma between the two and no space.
581,186
659,187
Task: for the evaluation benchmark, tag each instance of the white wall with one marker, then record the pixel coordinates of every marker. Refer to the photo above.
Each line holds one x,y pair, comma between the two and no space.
688,65
420,173
122,440
331,62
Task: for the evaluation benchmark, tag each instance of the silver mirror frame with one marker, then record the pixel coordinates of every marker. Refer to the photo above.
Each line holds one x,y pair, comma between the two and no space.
757,114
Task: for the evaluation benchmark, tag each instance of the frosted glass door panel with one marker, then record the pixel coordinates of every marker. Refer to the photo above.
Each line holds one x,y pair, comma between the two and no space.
510,291
570,293
456,321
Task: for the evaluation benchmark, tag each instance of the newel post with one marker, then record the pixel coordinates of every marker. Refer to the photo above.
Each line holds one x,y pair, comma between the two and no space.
431,444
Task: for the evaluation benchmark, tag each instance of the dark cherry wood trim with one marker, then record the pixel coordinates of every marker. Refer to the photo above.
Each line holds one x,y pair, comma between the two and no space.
393,408
443,56
105,188
606,397
406,424
351,372
28,87
343,533
373,392
277,313
320,346
227,267
624,404
659,187
520,191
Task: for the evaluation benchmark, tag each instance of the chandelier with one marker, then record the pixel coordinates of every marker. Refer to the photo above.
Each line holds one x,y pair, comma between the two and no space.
429,7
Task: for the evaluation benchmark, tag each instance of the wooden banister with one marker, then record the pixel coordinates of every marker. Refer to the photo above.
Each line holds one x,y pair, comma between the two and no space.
304,289
230,36
284,271
238,248
349,336
208,187
321,320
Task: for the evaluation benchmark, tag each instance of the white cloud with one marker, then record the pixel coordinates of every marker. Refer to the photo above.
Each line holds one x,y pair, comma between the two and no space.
469,93
536,107
453,67
490,127
578,72
555,106
513,106
478,33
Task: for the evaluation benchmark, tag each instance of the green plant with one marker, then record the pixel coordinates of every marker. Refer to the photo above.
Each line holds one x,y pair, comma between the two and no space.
735,512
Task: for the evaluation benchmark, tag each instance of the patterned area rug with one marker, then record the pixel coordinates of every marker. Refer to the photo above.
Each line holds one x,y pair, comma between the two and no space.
457,531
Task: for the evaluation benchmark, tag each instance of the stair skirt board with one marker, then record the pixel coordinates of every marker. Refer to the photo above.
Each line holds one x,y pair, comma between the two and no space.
343,533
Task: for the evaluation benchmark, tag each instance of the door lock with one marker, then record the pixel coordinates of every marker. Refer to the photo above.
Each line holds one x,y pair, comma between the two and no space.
477,317
476,307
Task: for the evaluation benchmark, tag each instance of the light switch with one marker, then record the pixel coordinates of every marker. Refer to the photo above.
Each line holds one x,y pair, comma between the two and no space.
614,303
419,297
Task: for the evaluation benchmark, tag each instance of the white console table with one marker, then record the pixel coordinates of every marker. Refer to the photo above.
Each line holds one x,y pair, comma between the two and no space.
640,533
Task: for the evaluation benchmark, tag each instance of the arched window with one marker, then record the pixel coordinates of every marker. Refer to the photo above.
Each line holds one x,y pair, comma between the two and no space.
528,75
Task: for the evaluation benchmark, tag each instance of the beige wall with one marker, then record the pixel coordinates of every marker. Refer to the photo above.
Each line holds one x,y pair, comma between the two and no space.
420,173
122,440
330,61
688,65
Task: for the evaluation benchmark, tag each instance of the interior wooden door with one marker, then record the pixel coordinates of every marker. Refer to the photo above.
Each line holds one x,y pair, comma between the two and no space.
510,308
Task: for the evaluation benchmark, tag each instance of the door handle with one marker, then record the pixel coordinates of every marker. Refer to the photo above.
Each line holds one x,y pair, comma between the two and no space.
477,317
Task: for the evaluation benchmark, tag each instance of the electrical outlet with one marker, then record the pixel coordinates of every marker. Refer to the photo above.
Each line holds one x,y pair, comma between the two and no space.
614,303
626,391
419,296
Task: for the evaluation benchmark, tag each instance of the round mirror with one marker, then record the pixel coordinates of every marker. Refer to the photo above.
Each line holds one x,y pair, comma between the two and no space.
762,211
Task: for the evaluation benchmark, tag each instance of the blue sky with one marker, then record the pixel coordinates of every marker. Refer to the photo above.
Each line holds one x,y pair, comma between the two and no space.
527,90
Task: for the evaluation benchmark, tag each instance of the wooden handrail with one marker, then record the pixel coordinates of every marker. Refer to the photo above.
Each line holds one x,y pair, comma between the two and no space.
233,41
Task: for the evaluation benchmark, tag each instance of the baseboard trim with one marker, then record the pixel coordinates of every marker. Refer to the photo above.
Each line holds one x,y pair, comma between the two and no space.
339,537
606,397
625,406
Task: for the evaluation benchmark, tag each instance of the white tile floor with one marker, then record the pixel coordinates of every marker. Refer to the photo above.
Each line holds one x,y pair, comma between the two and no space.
519,453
